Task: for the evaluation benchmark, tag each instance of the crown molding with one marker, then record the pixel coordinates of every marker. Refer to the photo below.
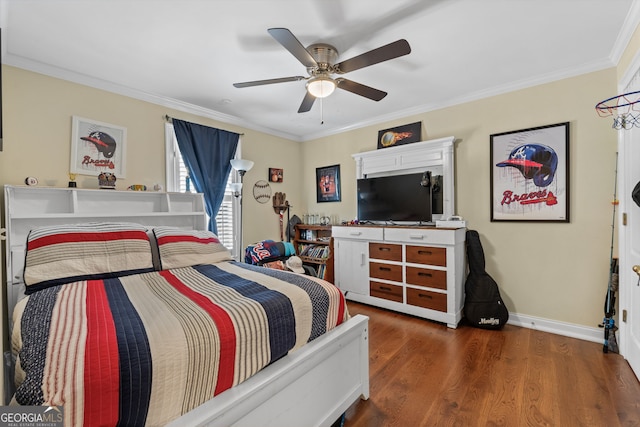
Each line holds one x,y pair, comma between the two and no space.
174,104
629,26
83,79
474,96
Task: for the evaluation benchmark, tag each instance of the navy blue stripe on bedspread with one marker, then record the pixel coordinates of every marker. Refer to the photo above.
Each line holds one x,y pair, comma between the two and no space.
316,292
277,307
37,319
133,346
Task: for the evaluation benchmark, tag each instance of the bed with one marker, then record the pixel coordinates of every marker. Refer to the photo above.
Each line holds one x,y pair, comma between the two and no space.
144,324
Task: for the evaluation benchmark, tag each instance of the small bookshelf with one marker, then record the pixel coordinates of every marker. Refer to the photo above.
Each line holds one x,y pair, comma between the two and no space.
314,245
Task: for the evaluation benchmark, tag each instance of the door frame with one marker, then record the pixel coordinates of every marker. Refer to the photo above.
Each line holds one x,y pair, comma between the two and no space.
627,279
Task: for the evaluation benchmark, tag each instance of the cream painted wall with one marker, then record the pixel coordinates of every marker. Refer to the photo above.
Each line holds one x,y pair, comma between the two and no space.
260,220
555,271
629,54
37,134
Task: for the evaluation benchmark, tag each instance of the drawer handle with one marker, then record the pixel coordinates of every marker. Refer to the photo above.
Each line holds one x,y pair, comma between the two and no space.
425,274
385,288
425,296
384,268
355,233
384,249
425,252
417,236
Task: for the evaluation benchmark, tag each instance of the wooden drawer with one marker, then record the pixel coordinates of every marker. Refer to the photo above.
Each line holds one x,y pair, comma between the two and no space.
427,277
386,291
427,255
385,271
427,299
385,251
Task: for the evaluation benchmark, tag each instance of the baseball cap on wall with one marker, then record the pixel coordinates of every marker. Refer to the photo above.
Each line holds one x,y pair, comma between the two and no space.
534,161
103,142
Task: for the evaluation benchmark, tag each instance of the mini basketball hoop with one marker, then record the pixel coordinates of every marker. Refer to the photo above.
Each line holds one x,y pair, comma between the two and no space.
625,110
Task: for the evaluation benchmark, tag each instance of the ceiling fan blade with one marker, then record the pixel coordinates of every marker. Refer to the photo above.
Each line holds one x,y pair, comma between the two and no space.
293,45
307,103
383,53
360,89
269,81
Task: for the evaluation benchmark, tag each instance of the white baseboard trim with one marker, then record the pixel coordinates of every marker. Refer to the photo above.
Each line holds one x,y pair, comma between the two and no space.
572,330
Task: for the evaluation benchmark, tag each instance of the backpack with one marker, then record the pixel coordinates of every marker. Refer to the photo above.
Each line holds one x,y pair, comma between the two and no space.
483,305
291,227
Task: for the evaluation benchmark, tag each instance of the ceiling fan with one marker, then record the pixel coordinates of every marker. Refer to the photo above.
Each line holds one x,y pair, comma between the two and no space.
320,60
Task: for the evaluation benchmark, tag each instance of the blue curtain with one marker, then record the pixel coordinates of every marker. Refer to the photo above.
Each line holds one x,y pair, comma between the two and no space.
207,152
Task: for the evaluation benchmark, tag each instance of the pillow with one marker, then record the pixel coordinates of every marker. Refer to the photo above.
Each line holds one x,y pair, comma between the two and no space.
183,248
68,253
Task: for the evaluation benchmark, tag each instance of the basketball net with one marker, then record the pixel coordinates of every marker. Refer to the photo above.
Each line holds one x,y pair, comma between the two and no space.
625,110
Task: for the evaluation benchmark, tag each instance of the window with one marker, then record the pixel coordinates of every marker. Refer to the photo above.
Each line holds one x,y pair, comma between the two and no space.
178,180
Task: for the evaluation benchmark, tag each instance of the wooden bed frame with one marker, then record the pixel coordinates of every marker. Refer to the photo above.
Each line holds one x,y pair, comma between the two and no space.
311,387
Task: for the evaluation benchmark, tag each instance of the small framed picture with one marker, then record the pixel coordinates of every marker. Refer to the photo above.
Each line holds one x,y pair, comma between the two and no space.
97,147
328,184
530,174
276,175
400,135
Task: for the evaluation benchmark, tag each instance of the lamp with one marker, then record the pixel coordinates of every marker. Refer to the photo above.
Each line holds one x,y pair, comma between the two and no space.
242,166
236,188
321,86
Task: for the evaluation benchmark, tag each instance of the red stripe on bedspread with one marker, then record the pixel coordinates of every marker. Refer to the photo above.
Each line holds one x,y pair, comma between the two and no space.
184,238
101,371
86,237
224,326
341,308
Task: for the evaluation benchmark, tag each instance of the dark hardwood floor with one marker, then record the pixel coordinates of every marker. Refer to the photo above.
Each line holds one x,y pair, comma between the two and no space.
425,374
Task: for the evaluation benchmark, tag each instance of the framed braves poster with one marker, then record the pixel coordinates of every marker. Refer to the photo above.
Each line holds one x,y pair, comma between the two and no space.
530,174
97,147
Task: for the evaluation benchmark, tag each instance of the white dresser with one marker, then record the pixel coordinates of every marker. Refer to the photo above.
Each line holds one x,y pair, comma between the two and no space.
413,270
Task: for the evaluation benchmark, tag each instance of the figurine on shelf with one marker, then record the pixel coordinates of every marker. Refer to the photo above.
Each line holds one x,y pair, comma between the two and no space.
107,180
72,180
137,187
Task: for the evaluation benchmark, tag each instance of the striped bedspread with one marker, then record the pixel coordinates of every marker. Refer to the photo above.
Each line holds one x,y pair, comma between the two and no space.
147,348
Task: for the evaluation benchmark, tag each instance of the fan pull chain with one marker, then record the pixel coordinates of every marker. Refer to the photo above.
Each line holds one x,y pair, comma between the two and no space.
321,112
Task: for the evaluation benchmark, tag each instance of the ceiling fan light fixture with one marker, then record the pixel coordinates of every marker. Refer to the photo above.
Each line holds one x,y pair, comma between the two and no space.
321,86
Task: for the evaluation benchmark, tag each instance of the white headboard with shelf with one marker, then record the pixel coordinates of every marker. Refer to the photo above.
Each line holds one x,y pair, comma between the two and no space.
434,155
30,207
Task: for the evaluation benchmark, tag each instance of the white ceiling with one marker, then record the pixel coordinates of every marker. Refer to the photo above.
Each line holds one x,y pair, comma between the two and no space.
186,54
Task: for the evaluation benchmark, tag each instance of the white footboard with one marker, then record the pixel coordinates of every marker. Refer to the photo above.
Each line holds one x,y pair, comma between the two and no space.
311,387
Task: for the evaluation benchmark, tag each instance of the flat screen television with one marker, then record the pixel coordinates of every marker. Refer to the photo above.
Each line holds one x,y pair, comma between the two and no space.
397,198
